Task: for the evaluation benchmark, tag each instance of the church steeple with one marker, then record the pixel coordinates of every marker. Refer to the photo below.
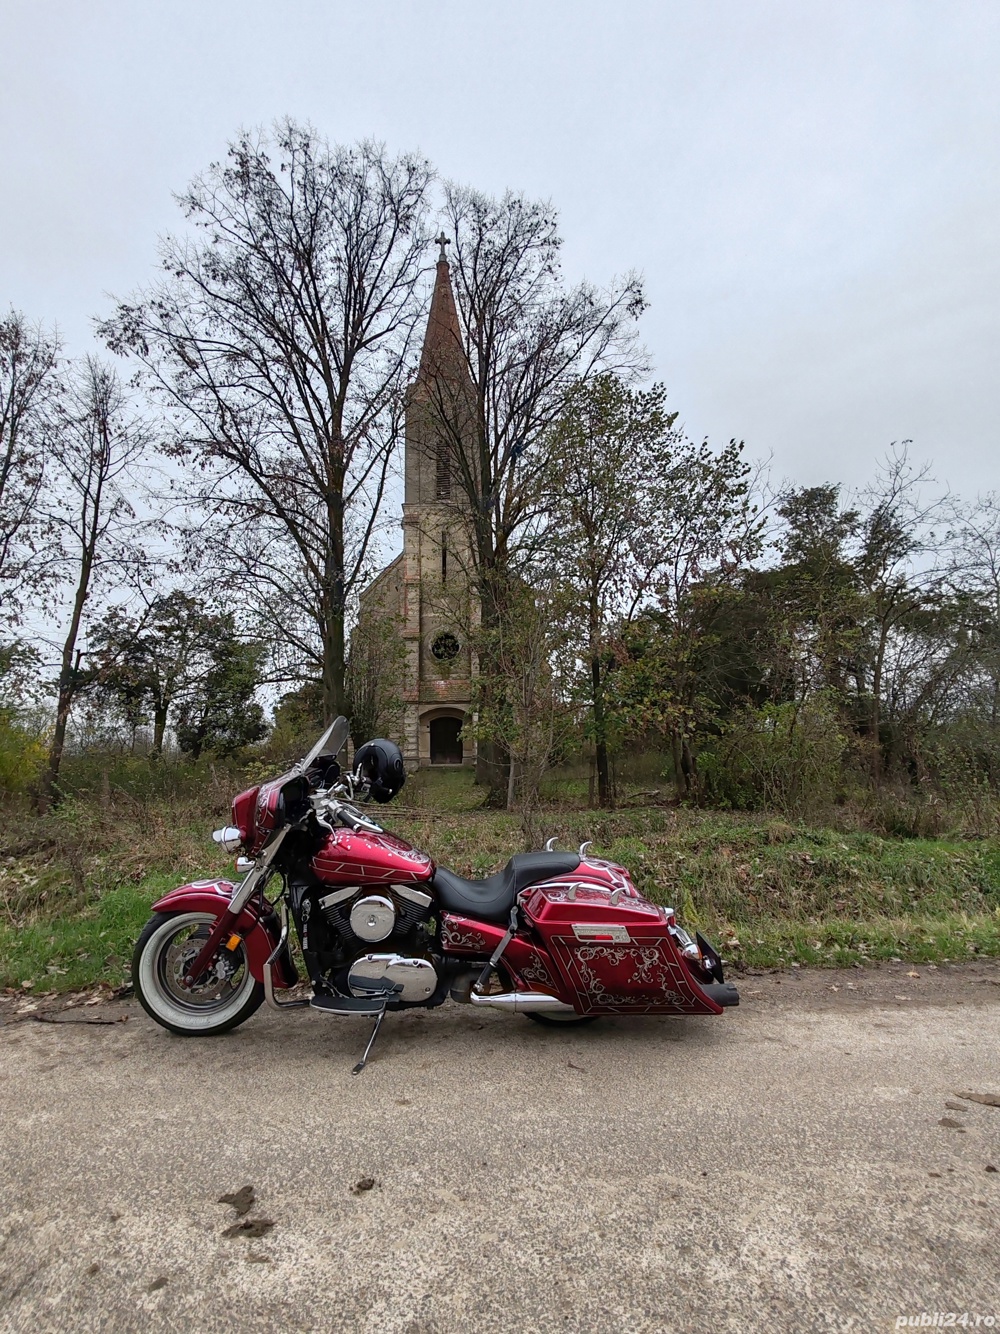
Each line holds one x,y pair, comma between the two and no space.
425,592
442,354
439,407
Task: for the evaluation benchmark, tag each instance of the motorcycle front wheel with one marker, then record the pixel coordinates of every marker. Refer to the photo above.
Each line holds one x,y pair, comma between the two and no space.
224,999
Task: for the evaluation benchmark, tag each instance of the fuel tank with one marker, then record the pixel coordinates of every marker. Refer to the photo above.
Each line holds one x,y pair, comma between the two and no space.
350,857
613,950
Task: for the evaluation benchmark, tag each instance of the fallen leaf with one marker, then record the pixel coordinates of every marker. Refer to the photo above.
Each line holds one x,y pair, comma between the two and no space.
94,1268
991,1168
902,998
912,974
950,1123
242,1200
576,1067
987,1099
359,1187
402,1102
933,1174
259,1259
158,1283
95,1000
955,1106
250,1227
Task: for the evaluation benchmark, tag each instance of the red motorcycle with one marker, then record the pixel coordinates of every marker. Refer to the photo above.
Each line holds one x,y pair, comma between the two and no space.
561,937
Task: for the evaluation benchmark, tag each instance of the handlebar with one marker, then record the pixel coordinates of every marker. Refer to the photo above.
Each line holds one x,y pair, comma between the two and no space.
331,812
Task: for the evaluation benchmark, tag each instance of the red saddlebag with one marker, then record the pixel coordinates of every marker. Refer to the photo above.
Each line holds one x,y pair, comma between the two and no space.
615,958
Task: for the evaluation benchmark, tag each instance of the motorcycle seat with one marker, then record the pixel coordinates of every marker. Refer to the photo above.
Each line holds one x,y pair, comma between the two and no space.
491,899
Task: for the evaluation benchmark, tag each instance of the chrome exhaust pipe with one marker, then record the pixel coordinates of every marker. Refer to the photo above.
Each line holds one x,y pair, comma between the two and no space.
523,1002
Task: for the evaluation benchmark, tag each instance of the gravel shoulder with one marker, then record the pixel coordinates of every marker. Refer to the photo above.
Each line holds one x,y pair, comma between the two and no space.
783,1167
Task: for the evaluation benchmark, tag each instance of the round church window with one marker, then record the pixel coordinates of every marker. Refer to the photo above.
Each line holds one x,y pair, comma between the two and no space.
445,647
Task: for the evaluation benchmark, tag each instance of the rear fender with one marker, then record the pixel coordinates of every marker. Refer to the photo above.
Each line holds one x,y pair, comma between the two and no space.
260,932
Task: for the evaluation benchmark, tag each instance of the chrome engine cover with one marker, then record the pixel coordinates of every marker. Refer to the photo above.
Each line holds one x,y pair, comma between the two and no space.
394,976
373,917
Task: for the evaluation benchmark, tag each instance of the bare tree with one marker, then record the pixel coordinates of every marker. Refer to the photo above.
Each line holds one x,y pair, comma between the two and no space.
525,339
900,574
97,442
281,335
973,579
375,665
28,361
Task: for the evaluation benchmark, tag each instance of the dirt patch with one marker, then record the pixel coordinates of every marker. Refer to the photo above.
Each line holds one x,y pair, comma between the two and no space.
900,985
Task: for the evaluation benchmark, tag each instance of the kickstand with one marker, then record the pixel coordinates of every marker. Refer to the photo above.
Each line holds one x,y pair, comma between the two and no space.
371,1043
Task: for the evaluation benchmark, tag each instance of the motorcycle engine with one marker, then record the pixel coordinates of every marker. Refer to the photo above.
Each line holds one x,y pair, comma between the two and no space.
338,927
373,917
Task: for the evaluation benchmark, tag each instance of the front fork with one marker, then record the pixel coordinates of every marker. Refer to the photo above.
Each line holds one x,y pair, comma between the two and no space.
255,880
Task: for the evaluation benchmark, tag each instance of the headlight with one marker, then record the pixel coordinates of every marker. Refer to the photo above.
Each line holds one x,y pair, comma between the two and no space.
230,838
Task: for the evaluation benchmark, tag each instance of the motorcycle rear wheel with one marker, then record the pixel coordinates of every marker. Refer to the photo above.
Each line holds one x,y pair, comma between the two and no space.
168,943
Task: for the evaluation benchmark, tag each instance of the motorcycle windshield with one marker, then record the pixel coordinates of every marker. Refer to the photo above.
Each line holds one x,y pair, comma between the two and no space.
332,740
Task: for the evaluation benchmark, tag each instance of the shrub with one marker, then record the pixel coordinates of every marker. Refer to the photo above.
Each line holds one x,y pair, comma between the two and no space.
22,754
784,757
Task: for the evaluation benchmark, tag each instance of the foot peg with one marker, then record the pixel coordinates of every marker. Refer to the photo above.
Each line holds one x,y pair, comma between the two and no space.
348,1005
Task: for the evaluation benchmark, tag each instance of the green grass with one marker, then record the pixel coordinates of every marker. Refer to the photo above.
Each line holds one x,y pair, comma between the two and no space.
75,889
73,952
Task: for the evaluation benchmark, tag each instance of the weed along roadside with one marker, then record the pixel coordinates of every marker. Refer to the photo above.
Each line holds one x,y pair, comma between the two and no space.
75,888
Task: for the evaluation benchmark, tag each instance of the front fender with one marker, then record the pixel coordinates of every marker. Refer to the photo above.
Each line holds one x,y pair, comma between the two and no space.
260,932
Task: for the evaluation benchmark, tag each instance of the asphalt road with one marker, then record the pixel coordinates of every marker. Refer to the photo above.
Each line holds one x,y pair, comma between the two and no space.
782,1167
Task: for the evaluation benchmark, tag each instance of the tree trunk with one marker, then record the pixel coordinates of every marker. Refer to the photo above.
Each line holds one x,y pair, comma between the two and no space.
334,702
600,734
492,760
675,748
688,767
48,795
604,796
334,699
876,722
68,675
159,727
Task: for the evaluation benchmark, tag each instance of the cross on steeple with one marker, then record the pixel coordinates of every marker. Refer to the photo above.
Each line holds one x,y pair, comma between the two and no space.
442,241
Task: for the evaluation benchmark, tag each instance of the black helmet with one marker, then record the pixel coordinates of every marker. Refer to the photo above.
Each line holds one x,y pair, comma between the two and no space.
381,762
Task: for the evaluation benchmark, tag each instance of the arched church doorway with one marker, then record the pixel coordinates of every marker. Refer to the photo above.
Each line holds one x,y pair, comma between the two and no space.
446,744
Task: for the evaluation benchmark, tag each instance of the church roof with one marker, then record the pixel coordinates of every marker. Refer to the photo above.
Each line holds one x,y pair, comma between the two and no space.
443,353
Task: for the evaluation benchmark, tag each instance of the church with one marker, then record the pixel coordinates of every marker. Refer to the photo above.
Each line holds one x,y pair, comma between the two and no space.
424,594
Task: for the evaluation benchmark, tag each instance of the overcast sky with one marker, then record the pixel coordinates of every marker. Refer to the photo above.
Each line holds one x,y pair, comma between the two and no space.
809,186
